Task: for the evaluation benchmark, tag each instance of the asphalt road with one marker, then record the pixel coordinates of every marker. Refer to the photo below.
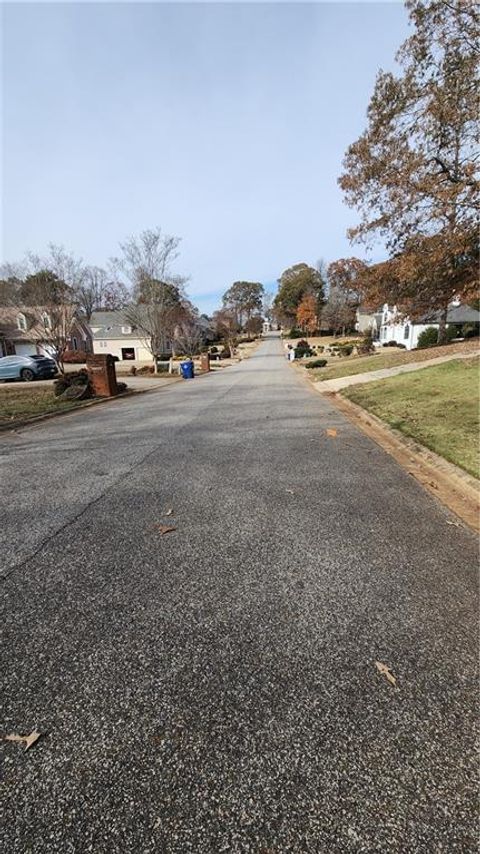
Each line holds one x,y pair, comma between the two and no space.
214,689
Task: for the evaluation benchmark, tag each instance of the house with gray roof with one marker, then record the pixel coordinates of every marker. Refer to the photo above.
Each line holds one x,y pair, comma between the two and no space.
114,334
399,328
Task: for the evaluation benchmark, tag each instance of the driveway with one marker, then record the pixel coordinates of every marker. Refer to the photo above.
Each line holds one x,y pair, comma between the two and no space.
215,689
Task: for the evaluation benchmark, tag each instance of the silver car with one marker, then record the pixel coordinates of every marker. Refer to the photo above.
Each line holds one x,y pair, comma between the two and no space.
27,368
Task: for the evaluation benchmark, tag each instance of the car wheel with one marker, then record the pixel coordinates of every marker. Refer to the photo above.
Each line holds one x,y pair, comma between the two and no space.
27,375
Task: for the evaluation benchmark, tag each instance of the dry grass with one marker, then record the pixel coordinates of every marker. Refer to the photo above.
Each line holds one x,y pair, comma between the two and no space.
20,402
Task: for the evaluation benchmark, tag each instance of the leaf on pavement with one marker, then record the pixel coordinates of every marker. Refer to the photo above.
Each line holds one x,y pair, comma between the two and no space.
290,491
28,740
169,512
165,529
383,669
331,432
457,524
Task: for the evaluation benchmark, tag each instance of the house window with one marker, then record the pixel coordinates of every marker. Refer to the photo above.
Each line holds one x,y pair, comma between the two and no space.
406,331
21,322
74,343
126,330
46,320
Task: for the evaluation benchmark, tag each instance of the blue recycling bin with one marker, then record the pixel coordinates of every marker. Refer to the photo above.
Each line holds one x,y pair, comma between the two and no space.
187,370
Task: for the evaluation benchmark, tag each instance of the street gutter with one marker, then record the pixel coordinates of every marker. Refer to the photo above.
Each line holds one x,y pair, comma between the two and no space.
453,487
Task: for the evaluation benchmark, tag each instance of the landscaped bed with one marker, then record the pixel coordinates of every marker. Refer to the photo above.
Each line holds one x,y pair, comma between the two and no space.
437,406
20,402
388,357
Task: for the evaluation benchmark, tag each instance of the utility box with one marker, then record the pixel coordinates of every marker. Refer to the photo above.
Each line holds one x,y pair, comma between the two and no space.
205,362
102,375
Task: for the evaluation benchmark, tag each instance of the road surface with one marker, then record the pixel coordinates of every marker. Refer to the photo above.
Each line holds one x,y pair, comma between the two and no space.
214,689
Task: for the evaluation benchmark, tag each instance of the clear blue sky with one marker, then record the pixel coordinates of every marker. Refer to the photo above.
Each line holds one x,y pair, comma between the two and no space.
225,124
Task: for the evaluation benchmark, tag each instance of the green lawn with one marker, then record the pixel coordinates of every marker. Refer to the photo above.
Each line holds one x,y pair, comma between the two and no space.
386,357
18,402
438,406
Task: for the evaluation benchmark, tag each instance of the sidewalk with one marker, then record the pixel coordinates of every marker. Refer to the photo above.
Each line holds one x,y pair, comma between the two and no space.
329,386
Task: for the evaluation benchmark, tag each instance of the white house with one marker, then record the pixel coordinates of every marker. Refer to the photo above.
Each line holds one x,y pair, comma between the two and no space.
399,328
113,334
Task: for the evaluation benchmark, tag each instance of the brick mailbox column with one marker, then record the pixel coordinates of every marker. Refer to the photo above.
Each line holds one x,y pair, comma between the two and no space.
205,361
101,372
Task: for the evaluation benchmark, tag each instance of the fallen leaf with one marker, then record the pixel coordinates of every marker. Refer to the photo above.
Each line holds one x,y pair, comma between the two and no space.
27,739
290,491
383,669
457,524
169,512
165,529
331,432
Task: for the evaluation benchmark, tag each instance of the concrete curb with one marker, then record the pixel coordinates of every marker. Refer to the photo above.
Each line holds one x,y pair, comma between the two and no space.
452,486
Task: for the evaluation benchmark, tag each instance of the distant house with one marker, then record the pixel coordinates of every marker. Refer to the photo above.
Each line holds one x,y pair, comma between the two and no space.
389,324
23,332
367,320
114,334
399,328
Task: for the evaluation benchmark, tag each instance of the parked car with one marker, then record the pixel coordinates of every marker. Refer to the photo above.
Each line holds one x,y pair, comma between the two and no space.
27,368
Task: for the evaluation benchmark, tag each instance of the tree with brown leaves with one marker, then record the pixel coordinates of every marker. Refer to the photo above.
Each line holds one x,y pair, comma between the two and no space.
307,317
413,174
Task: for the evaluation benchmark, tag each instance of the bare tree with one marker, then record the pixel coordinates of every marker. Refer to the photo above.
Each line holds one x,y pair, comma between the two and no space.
99,290
148,257
60,261
189,336
267,305
227,327
157,316
337,314
159,301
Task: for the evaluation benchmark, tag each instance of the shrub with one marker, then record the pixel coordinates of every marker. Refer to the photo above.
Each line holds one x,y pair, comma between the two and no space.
133,371
320,348
451,333
295,333
317,363
122,387
145,369
76,378
303,349
470,330
428,338
365,343
345,349
213,349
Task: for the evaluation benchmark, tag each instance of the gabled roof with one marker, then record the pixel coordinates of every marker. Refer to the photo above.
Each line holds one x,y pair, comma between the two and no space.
109,325
455,314
9,326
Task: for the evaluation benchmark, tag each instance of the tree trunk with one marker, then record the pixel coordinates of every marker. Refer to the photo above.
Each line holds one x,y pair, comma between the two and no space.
442,326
